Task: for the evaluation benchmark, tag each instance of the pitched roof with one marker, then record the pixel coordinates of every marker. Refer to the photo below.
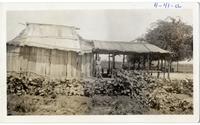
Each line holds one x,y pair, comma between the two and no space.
126,47
86,45
66,38
48,36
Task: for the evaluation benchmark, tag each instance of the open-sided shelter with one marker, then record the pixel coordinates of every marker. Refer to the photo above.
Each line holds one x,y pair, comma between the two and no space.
145,51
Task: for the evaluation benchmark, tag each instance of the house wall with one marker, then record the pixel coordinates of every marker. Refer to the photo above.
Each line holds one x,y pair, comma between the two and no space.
49,62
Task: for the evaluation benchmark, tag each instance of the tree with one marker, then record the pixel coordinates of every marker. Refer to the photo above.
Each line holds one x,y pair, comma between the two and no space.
173,35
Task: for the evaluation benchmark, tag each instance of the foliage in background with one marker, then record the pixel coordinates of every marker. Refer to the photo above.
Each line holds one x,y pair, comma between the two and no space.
173,35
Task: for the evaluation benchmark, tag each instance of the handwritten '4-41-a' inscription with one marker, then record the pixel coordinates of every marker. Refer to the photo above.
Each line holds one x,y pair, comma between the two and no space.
167,5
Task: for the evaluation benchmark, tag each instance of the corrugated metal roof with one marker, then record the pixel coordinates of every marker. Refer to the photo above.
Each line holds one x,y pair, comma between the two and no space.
86,46
129,47
48,36
62,37
48,43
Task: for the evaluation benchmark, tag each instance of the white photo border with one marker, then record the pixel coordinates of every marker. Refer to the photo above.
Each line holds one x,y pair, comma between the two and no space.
4,7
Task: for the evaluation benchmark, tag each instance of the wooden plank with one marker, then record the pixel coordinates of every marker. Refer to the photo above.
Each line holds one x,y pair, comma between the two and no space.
91,64
161,66
21,59
50,56
148,63
53,61
47,61
66,63
60,63
74,64
113,61
144,62
164,68
38,60
30,61
42,71
79,66
8,61
109,63
86,65
169,68
96,56
82,66
13,65
123,60
158,69
28,57
69,75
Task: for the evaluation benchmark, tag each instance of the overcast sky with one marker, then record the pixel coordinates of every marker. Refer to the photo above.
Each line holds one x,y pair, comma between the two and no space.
117,25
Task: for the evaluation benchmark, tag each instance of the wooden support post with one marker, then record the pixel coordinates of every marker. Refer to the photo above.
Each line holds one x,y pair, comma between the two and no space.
50,60
108,63
113,61
139,63
144,62
148,62
164,68
150,66
96,57
113,65
158,69
123,60
161,67
128,62
169,68
94,62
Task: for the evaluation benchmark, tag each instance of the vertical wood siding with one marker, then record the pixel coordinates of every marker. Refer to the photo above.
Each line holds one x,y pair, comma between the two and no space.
49,62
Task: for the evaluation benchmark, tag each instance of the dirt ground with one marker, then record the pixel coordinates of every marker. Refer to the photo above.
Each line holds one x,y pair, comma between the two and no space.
80,105
72,105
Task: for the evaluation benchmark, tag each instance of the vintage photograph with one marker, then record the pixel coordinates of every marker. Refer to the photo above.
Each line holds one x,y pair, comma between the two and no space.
100,62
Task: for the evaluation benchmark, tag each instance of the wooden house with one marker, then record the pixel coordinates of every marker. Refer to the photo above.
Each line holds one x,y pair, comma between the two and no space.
50,50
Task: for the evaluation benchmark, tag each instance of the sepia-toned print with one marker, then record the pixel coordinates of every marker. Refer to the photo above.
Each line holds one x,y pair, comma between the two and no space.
100,62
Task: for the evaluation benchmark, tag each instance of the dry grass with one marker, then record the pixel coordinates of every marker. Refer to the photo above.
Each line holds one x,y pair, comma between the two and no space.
36,105
73,105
